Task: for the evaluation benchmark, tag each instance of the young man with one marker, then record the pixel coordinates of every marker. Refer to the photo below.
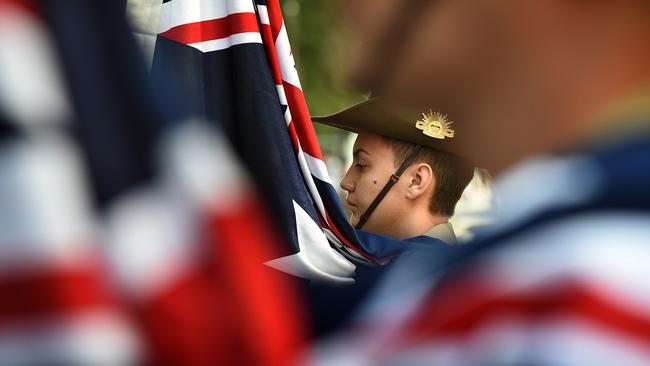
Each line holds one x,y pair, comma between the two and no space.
405,178
404,183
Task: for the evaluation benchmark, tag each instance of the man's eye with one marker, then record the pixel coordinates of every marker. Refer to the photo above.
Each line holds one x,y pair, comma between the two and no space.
360,166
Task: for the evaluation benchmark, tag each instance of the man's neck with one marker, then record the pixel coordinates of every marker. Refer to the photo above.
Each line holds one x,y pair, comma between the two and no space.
418,223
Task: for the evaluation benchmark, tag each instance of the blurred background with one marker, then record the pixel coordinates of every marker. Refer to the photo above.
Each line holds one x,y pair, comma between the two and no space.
318,34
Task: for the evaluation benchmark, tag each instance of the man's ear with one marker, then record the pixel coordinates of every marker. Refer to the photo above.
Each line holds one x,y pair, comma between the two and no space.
421,179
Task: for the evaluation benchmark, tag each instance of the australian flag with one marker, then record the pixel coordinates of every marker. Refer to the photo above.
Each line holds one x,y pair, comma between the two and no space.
129,234
231,60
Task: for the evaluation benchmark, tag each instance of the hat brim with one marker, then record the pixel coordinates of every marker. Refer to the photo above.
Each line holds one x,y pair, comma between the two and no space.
385,118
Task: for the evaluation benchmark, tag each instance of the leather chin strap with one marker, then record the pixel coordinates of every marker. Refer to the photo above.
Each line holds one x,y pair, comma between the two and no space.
391,182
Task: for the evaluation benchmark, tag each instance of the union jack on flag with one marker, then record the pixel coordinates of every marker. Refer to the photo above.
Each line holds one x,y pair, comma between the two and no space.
232,61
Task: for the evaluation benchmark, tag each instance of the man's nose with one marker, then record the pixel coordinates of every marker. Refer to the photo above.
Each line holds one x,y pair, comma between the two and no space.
347,183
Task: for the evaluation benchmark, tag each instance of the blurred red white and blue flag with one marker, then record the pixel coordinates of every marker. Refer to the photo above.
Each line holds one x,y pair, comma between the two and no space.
57,302
129,233
232,61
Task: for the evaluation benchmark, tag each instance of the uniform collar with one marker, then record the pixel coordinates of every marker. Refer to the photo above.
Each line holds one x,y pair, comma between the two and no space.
444,232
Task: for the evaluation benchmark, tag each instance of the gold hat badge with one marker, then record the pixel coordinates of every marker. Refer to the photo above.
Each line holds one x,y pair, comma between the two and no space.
435,125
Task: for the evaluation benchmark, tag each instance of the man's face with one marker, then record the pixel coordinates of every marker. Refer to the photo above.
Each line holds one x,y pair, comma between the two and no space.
372,166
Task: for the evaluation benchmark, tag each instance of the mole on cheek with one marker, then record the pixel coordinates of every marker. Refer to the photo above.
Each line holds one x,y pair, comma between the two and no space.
374,182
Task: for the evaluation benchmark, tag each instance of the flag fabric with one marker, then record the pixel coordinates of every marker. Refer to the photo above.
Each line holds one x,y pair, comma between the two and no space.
58,304
231,60
303,136
132,233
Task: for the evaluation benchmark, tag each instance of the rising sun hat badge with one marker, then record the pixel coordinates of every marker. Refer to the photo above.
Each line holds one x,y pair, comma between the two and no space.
435,125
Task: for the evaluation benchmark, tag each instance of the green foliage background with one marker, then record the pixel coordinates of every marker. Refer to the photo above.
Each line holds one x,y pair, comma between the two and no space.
317,34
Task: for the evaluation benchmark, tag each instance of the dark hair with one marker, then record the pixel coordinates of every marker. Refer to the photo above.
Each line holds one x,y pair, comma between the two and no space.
452,173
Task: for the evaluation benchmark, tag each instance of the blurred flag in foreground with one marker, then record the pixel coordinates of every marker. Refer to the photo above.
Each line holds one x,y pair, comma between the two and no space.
57,301
232,61
128,231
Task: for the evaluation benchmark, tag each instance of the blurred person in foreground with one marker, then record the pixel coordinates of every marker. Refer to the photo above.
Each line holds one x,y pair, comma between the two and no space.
556,99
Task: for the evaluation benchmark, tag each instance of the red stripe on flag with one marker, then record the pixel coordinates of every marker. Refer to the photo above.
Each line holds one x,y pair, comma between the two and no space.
293,135
185,325
230,309
271,313
463,306
209,30
269,46
300,116
295,97
29,5
52,292
275,17
347,243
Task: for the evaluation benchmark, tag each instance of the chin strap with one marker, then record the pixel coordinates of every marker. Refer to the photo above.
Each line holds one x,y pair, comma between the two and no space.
391,182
